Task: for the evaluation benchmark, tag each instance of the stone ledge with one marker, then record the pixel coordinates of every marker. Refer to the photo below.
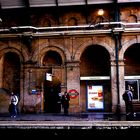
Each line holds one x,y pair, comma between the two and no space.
70,124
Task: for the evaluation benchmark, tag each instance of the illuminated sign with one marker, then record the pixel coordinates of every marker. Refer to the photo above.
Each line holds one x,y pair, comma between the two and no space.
106,77
95,98
95,78
73,93
49,76
33,91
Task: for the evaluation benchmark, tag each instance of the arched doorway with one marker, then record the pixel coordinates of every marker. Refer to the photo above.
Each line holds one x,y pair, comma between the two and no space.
95,71
52,87
51,96
11,72
132,70
10,78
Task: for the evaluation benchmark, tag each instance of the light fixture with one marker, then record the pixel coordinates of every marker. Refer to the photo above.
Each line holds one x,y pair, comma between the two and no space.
100,12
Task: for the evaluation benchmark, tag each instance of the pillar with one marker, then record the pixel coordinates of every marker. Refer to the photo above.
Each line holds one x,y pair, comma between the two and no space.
73,82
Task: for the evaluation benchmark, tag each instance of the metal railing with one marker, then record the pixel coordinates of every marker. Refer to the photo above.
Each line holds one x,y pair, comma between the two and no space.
105,27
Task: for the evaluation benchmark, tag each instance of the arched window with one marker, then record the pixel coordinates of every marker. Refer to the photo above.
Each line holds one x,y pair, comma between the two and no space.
52,58
72,22
132,18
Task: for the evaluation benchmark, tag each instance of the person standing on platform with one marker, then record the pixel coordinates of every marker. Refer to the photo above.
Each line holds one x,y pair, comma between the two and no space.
13,105
128,98
65,102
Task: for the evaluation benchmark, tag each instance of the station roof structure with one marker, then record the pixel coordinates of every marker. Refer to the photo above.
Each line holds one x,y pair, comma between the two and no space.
9,4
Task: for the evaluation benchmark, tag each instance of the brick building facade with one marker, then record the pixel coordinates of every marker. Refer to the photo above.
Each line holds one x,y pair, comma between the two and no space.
73,44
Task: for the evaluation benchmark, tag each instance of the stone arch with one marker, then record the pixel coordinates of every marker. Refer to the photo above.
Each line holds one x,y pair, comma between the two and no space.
63,51
46,20
78,17
51,48
72,21
81,49
132,18
51,58
12,48
126,46
10,76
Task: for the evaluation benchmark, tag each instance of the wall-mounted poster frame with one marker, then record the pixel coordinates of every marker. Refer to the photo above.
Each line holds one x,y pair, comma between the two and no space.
95,97
134,84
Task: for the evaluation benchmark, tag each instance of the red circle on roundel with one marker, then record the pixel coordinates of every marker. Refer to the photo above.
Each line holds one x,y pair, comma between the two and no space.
73,93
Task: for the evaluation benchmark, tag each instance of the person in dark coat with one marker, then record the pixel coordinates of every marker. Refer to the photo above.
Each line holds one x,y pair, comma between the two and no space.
65,102
129,101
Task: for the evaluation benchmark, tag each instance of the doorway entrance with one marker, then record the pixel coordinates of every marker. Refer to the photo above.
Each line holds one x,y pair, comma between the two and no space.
52,99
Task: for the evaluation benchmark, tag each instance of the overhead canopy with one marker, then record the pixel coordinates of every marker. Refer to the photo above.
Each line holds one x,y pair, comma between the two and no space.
8,4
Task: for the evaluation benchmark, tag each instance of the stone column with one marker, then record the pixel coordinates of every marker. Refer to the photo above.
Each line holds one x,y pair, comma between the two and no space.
29,81
73,82
114,85
122,84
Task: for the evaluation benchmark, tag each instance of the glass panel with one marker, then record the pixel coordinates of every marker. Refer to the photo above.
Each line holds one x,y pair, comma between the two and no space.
11,4
134,85
41,3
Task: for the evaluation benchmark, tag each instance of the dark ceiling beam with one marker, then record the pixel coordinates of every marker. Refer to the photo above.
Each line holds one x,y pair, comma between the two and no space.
1,16
26,3
27,11
57,11
86,11
0,11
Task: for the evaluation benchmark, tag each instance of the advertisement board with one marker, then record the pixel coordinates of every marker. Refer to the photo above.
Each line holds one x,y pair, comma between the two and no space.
95,98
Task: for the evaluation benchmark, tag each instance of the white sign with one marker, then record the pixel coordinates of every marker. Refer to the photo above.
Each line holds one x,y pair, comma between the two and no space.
49,76
95,97
95,78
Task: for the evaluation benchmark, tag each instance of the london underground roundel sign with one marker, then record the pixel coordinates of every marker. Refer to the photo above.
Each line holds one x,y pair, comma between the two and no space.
73,93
